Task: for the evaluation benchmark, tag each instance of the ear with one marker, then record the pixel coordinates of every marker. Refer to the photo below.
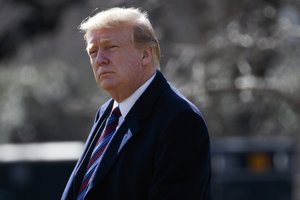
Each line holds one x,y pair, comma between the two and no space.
147,55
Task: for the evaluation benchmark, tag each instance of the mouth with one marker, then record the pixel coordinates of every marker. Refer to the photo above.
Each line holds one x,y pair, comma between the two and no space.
102,75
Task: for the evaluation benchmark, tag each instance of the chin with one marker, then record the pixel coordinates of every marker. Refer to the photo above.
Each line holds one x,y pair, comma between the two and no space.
106,85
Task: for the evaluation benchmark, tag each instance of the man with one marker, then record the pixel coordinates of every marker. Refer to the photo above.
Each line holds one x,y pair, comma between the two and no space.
148,141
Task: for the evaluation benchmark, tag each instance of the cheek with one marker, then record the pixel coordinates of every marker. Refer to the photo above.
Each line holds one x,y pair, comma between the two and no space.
132,69
94,69
129,64
92,64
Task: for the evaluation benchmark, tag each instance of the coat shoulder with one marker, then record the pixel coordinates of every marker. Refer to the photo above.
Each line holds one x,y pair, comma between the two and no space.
174,100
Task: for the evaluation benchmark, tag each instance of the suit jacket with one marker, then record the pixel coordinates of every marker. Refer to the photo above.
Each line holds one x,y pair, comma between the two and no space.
161,151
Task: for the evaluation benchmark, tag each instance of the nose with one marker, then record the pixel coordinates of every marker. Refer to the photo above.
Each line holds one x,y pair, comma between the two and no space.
101,58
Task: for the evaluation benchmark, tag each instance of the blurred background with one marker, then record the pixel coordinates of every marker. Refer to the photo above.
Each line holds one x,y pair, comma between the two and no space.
237,60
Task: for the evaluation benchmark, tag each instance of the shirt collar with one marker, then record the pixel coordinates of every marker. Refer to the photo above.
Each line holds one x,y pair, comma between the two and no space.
128,103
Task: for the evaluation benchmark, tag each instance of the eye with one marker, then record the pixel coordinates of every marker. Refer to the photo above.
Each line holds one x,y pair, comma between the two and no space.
111,47
92,52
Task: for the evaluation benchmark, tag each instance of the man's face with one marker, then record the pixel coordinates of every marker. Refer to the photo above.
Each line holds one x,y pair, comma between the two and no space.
116,62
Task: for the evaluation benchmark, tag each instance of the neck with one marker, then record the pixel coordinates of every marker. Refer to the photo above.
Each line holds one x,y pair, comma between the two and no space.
124,94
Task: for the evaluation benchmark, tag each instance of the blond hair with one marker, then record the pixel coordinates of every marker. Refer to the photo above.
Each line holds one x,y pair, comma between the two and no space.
143,32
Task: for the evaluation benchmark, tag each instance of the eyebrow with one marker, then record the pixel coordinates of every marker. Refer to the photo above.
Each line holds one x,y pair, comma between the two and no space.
102,42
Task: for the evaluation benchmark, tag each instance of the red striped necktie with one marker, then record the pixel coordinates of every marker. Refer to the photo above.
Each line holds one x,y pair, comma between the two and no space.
109,130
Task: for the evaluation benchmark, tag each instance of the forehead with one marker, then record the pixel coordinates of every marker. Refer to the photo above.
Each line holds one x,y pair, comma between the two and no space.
104,35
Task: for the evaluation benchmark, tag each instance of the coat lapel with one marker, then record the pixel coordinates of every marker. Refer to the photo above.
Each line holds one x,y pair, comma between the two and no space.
131,126
97,128
125,139
112,151
79,170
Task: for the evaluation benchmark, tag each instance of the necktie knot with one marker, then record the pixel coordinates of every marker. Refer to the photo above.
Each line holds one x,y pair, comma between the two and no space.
116,112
